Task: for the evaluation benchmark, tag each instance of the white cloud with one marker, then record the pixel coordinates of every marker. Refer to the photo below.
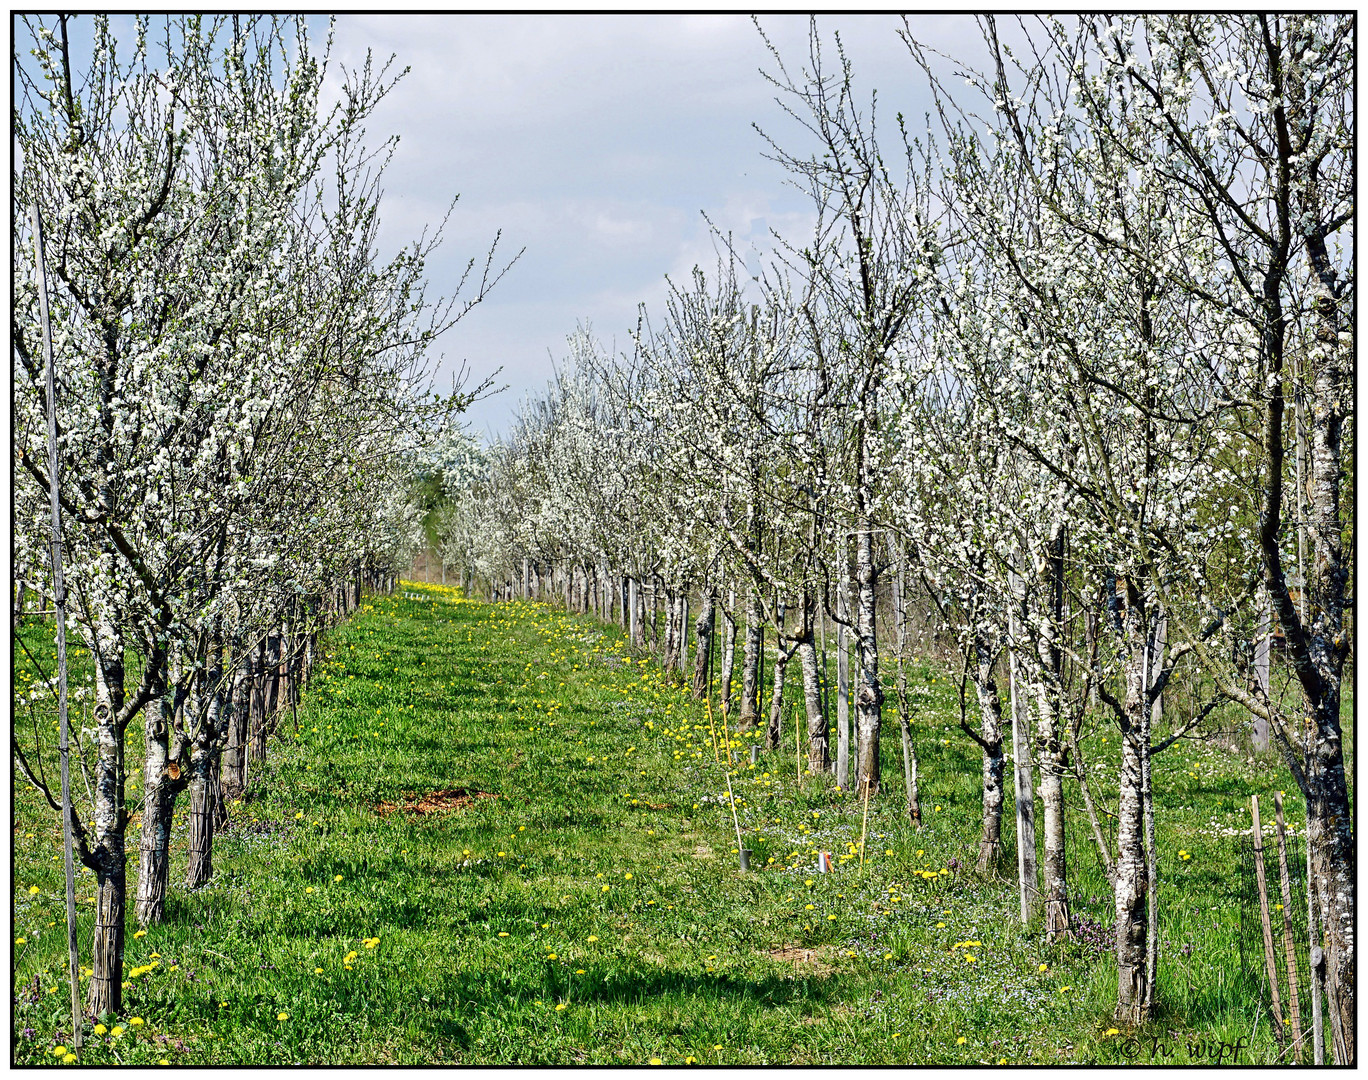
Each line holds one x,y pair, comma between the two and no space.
595,142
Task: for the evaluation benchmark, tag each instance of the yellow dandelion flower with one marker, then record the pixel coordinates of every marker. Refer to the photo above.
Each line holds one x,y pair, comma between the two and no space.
961,1041
282,1016
135,1021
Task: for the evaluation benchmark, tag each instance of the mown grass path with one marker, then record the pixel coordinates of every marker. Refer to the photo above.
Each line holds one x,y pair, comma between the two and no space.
494,836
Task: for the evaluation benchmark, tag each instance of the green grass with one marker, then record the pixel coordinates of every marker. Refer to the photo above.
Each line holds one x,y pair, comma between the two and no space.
593,911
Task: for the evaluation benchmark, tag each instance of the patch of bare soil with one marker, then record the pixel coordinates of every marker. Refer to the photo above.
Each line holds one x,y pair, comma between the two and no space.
803,959
433,802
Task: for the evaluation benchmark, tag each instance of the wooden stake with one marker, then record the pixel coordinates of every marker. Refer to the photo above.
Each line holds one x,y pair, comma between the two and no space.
1270,957
1315,957
732,799
59,603
864,828
798,746
1293,997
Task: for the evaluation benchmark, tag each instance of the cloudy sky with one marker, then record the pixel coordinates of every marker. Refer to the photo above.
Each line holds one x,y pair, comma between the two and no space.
595,143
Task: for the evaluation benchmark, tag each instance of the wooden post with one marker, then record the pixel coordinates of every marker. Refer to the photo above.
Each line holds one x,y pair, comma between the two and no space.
1316,959
1293,997
740,847
1270,957
59,602
864,826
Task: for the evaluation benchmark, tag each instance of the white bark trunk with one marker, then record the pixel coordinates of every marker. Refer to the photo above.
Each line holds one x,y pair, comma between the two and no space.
1021,760
842,690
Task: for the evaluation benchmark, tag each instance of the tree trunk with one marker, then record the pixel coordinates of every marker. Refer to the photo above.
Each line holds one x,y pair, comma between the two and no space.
1157,664
164,778
1330,836
904,709
776,715
107,852
235,752
204,787
1052,751
703,635
819,749
682,656
869,698
256,722
1132,860
994,764
842,689
1021,760
1318,650
20,587
728,653
1259,739
750,661
1152,876
273,688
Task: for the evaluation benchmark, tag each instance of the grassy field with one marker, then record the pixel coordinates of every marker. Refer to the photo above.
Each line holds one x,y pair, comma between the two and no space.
495,836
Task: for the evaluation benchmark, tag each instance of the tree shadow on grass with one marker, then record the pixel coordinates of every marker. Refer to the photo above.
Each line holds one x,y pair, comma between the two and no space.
639,986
